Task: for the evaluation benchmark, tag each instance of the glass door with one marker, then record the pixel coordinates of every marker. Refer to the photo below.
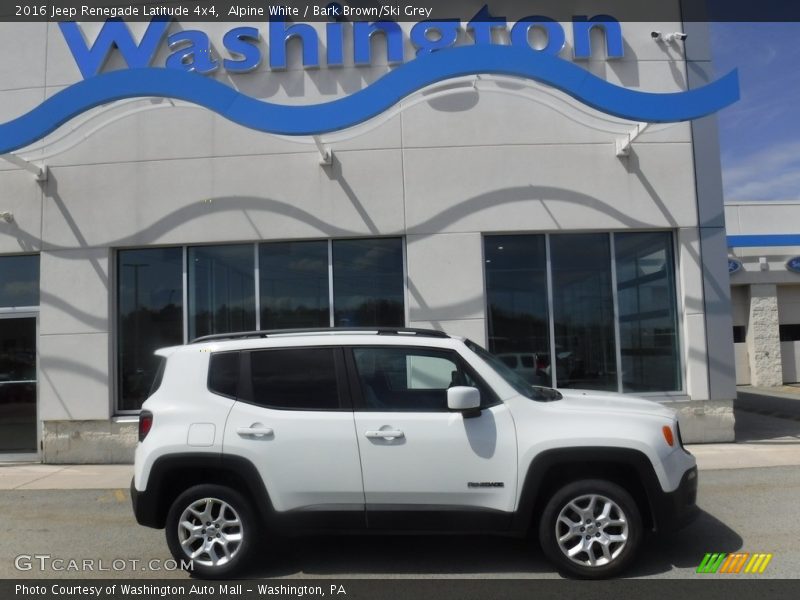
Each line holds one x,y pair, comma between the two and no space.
18,387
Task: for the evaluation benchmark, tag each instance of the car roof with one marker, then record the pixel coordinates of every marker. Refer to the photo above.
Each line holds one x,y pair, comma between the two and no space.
248,340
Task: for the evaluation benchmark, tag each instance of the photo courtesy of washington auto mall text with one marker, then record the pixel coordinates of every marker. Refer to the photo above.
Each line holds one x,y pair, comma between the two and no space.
156,589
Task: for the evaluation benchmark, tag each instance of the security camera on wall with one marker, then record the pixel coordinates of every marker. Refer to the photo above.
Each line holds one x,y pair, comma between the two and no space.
669,37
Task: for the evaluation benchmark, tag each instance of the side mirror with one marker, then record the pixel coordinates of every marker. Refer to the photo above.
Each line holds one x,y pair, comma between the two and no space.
465,400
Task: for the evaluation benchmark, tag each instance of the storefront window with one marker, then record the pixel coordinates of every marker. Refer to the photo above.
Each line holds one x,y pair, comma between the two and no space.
293,282
150,316
648,323
19,280
19,288
221,289
586,335
583,311
516,288
294,291
368,282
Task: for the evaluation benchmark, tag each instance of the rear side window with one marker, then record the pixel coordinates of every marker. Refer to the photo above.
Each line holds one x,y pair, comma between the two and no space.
294,379
162,364
223,373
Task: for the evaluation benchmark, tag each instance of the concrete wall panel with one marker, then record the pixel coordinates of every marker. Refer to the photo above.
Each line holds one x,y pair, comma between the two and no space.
445,279
245,198
74,377
20,195
548,188
75,291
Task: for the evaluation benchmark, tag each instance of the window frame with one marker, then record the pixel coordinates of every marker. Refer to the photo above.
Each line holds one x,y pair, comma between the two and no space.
260,247
115,397
674,255
14,309
671,254
786,333
357,392
246,394
332,275
206,252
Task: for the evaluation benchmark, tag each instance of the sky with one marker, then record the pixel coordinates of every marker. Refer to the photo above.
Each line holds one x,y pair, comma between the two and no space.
760,134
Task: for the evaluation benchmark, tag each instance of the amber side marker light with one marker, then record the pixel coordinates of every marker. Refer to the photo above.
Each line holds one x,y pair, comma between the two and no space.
667,431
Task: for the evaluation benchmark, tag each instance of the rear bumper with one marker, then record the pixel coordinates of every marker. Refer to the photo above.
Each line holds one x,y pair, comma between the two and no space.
675,510
145,508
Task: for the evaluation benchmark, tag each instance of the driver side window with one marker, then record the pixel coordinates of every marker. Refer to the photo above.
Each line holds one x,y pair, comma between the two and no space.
411,379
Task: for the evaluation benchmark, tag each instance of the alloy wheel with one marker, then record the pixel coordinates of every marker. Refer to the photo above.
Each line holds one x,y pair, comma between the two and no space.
210,532
591,530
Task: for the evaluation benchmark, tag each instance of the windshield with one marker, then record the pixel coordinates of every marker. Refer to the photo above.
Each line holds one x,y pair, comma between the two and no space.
534,392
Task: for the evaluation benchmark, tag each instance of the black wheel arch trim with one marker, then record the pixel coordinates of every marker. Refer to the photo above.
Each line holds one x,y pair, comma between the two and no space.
150,506
531,493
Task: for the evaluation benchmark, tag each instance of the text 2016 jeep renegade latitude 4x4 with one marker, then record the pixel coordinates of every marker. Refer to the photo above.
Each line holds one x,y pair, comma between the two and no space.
396,431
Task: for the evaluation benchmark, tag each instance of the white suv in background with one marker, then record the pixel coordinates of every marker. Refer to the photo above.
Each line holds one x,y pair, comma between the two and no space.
396,430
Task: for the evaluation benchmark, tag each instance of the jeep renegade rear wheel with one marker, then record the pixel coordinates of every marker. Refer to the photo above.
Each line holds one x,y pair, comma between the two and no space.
591,529
211,527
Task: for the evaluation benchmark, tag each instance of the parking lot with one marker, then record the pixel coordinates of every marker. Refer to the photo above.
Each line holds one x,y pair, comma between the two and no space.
752,509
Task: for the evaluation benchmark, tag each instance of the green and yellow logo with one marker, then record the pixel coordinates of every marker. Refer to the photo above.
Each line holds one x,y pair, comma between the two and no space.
734,563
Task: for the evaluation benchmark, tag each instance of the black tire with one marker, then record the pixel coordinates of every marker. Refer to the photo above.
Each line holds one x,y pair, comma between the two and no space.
219,553
596,540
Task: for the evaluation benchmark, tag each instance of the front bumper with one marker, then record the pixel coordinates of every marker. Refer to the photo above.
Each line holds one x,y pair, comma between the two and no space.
675,510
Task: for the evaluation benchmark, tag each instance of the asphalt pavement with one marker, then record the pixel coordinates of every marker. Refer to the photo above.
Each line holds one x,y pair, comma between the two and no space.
747,510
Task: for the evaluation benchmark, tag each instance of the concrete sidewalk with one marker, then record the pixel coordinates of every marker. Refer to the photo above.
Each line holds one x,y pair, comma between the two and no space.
30,476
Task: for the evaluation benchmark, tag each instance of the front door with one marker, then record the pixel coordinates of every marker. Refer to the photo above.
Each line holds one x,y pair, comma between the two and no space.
18,388
424,467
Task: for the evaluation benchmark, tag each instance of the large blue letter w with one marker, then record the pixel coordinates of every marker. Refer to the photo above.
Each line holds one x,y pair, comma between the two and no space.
114,34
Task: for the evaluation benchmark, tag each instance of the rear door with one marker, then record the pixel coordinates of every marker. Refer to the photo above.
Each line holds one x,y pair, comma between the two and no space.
293,420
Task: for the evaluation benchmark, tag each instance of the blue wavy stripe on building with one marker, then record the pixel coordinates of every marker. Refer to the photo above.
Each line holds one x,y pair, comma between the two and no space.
371,101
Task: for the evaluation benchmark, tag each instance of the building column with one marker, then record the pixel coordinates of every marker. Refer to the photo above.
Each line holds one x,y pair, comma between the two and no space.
708,417
763,337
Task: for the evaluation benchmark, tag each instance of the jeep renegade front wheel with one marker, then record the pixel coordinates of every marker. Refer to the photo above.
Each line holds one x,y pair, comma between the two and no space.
591,529
211,529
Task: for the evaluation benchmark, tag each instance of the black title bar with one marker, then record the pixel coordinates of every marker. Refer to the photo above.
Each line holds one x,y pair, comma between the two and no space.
397,10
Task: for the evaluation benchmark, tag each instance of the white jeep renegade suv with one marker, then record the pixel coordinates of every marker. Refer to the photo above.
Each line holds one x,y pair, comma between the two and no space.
396,430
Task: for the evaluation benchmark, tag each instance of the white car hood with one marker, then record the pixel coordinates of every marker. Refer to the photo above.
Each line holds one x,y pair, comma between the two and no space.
591,400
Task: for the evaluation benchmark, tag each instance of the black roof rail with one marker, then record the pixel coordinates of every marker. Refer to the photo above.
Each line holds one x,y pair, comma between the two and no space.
240,335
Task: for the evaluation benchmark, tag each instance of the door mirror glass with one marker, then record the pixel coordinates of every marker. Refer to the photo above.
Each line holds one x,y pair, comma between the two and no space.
463,398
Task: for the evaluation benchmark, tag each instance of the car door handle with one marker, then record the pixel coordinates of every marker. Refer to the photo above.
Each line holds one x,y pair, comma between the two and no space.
254,431
386,434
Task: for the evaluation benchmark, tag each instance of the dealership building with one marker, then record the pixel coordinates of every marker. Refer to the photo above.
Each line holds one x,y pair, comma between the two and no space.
575,229
764,265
